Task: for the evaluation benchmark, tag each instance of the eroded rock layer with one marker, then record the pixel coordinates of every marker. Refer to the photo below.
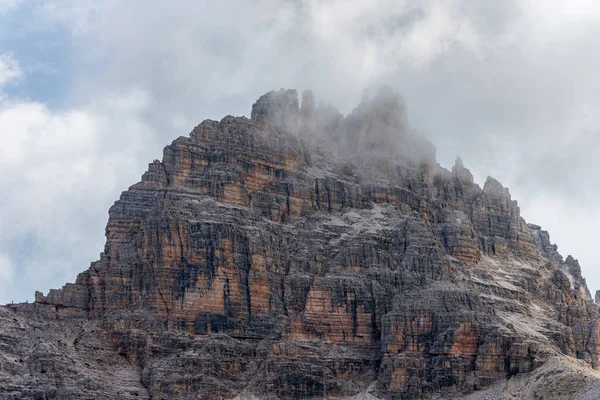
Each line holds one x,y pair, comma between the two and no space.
303,254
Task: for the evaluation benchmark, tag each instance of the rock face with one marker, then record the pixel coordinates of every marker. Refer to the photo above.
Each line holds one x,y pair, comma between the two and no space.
304,254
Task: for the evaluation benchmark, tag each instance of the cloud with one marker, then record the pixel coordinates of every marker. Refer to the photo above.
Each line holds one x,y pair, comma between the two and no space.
512,87
9,5
10,70
234,51
391,33
61,172
6,269
76,15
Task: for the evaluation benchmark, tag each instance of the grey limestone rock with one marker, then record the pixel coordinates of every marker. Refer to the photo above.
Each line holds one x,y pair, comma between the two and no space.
304,254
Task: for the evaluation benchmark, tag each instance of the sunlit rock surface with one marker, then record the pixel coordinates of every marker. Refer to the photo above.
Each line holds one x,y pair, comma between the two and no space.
304,254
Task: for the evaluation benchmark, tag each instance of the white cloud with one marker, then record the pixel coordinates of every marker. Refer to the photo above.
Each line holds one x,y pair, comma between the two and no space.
9,5
9,69
6,269
391,33
77,15
61,170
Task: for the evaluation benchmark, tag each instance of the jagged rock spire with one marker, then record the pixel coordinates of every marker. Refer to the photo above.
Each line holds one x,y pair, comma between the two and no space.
255,259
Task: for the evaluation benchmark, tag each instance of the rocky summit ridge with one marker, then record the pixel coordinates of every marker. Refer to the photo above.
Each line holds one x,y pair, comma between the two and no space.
303,254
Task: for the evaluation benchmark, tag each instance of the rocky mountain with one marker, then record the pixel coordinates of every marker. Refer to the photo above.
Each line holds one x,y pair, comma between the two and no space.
303,254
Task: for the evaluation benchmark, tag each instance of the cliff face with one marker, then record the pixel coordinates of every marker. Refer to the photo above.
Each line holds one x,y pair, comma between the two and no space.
303,254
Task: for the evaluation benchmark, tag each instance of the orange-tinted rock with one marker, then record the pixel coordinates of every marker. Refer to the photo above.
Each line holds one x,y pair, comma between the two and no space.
303,254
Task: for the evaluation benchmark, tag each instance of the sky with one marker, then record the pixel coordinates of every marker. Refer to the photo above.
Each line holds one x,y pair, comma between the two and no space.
91,92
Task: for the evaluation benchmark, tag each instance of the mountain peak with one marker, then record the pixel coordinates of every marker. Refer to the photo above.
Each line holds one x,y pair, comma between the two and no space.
305,254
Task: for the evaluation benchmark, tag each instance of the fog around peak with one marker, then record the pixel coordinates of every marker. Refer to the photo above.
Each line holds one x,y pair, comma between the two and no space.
377,126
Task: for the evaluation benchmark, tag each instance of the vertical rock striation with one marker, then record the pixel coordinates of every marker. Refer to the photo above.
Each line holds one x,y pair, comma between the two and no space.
304,254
